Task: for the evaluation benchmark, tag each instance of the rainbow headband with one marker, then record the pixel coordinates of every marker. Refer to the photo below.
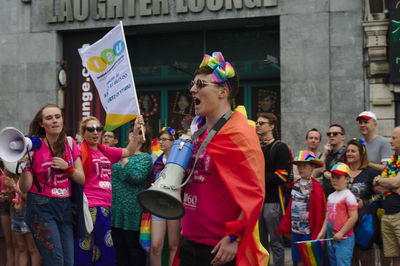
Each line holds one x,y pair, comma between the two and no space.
362,142
340,169
170,131
222,71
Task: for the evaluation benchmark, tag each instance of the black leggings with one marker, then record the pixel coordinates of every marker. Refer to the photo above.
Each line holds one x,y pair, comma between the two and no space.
127,247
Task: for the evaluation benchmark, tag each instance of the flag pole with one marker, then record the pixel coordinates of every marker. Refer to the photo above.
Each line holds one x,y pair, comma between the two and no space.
133,81
326,239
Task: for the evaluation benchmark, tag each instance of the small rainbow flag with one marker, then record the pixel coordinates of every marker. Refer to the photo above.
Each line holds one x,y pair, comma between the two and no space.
145,231
314,252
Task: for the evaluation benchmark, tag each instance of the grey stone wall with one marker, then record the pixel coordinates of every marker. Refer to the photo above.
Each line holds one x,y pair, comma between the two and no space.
320,58
27,66
321,68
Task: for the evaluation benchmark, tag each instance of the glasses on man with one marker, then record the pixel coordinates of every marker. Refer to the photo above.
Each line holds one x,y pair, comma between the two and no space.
163,139
328,134
107,136
261,123
92,129
200,84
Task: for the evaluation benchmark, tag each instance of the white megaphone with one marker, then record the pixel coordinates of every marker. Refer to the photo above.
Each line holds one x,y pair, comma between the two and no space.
14,145
14,167
163,198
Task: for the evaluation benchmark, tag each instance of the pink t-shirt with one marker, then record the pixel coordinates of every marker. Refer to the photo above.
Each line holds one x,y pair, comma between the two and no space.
208,203
56,183
98,185
338,207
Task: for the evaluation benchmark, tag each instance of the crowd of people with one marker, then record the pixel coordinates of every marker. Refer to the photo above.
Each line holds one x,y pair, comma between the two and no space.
246,193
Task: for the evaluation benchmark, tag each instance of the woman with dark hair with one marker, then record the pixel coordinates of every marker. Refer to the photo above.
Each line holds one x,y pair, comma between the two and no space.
159,225
360,183
48,204
129,177
97,247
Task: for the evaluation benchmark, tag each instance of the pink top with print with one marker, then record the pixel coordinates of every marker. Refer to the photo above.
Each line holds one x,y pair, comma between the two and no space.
55,183
208,202
338,207
98,185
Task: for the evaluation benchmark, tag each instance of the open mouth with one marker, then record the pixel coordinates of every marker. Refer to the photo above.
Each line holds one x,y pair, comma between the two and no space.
196,101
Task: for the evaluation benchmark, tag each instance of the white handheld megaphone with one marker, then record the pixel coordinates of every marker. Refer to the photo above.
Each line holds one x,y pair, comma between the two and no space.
14,167
163,198
14,145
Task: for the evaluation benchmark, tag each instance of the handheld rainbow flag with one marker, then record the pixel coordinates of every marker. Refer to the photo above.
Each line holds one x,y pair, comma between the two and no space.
107,61
145,231
314,252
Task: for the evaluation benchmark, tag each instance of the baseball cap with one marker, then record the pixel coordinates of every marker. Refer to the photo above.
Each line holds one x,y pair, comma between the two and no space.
341,169
367,115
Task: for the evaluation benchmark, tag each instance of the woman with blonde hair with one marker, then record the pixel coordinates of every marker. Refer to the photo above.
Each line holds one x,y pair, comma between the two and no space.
97,247
47,179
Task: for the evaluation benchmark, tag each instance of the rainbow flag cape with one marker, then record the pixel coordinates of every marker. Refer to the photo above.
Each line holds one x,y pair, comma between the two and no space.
237,142
314,252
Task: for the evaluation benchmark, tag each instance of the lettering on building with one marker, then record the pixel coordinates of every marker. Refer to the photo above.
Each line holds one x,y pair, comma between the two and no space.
61,11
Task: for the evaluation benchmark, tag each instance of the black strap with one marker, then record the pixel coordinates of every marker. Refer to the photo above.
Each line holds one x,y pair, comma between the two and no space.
35,179
210,135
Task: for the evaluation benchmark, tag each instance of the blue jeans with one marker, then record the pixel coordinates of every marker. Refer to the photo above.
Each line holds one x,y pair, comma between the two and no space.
50,221
341,252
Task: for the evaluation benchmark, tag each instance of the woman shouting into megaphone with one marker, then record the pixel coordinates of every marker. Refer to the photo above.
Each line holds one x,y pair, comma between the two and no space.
47,179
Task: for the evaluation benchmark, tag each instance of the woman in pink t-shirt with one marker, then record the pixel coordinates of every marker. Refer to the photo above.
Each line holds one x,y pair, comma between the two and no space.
48,205
97,247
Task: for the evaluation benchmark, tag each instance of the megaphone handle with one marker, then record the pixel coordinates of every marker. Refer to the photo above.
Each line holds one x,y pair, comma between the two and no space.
34,177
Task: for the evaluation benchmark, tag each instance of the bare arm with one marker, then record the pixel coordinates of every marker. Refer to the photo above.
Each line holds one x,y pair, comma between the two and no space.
133,138
388,183
322,233
347,226
225,249
377,166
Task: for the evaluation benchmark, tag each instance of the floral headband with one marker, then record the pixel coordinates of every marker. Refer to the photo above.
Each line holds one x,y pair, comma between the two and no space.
362,142
170,131
222,70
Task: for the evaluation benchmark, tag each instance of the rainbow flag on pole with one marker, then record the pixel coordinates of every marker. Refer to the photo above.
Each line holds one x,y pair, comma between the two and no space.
107,61
314,252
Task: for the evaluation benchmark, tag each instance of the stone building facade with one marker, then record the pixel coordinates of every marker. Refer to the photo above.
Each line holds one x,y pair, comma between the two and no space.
321,76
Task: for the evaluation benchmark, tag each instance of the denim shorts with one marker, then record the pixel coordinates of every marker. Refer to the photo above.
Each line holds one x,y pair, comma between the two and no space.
156,218
18,224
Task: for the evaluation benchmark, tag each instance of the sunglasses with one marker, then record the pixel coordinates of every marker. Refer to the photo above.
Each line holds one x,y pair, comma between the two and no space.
200,84
92,129
261,123
163,140
328,134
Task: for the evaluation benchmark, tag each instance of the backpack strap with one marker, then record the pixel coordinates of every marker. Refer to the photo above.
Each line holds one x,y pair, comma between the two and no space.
69,140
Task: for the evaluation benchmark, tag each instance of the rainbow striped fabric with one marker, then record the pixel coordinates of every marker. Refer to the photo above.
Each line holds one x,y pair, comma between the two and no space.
145,231
314,252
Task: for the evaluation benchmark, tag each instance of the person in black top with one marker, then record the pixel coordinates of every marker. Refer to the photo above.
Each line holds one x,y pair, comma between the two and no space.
277,169
360,184
334,152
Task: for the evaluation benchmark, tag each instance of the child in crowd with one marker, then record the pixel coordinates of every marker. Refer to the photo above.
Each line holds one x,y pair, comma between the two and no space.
305,213
341,217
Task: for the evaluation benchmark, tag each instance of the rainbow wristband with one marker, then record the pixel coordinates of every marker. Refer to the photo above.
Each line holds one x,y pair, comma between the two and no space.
234,238
27,168
69,170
